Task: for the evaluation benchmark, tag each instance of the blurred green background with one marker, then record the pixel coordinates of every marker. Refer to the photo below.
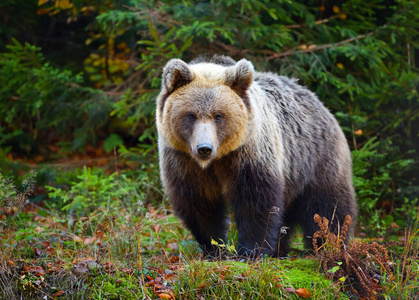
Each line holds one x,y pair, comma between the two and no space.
79,78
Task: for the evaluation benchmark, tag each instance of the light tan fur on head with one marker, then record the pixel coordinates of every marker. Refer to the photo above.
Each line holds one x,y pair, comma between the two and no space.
215,95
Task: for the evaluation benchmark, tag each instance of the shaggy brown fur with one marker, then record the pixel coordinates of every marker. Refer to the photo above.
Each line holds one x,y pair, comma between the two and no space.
258,142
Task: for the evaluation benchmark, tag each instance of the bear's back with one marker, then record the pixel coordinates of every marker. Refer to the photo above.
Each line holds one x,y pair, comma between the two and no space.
312,139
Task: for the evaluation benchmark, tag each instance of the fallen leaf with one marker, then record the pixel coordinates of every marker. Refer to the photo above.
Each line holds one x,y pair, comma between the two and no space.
172,246
99,234
358,132
84,265
46,244
164,296
89,240
156,228
150,283
37,218
173,259
10,262
170,277
39,271
59,293
303,293
127,271
290,290
50,251
39,229
77,239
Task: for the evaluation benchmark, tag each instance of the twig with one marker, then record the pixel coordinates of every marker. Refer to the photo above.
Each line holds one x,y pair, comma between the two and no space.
318,22
320,47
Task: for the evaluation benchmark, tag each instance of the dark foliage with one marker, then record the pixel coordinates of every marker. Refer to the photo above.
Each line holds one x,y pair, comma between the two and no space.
360,57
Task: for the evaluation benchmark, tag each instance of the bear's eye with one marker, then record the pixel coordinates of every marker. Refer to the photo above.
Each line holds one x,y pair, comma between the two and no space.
217,118
191,117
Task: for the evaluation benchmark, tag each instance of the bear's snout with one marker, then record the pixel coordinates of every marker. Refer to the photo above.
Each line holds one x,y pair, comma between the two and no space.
204,142
204,151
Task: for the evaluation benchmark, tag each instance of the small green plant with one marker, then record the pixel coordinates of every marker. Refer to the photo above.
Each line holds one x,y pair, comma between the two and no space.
117,286
373,191
8,193
224,247
12,198
404,284
86,190
92,189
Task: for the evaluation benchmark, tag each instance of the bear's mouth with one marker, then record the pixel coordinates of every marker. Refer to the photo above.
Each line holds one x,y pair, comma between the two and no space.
203,154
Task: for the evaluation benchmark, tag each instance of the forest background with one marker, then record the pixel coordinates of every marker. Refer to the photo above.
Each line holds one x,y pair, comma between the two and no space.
79,79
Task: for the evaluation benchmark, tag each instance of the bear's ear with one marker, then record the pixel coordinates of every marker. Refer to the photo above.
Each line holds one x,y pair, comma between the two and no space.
176,73
240,77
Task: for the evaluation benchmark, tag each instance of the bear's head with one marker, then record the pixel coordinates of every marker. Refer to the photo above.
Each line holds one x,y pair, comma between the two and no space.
203,109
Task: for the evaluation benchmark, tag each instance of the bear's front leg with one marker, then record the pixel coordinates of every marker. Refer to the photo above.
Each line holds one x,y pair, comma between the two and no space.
258,210
196,198
206,220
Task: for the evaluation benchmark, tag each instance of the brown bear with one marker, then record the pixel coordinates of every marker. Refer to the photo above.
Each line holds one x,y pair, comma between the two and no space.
258,143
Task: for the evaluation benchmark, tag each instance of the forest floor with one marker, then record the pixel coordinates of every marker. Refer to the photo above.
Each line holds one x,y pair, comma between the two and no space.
114,254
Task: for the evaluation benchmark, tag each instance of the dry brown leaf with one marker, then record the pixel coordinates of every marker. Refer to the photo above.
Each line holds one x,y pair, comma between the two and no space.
38,251
59,293
172,246
77,239
89,240
50,251
37,218
173,259
127,271
99,234
39,271
46,244
303,292
39,229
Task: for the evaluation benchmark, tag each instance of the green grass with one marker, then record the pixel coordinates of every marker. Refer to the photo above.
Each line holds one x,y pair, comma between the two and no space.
116,253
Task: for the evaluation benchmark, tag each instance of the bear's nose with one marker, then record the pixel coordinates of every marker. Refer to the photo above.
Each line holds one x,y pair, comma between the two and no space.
204,150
